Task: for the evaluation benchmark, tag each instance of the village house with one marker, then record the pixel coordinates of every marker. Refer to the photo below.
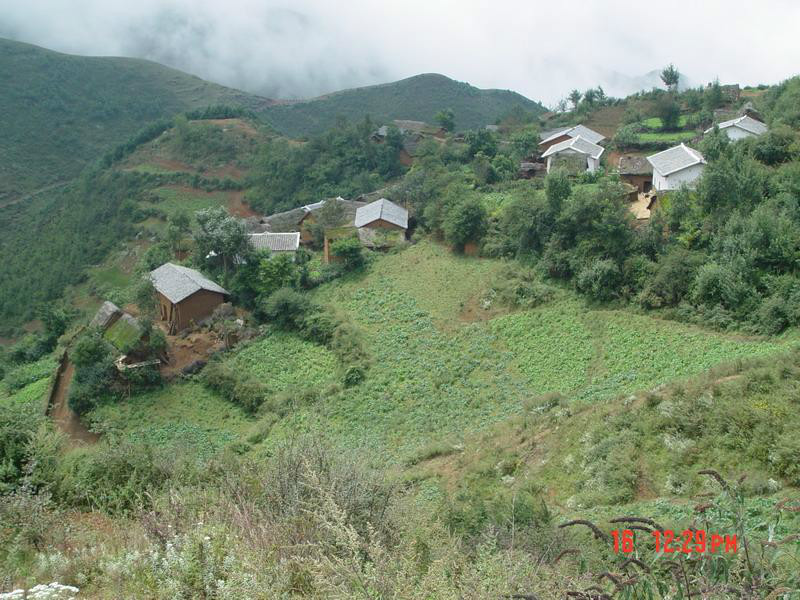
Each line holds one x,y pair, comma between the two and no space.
185,296
382,213
379,224
741,127
679,165
300,219
575,154
562,134
276,243
636,171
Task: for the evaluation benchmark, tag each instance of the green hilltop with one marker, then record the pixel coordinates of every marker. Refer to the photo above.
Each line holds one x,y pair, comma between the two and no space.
62,111
416,98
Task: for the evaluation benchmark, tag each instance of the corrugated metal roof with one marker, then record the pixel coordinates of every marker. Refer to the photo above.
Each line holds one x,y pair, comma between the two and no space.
178,283
675,159
745,122
578,144
275,242
382,209
573,132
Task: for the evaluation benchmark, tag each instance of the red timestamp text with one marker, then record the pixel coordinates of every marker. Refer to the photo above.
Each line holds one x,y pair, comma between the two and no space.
688,541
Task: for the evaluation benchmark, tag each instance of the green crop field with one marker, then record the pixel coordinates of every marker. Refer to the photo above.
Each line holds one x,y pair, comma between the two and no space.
435,377
282,360
674,136
654,123
185,414
176,200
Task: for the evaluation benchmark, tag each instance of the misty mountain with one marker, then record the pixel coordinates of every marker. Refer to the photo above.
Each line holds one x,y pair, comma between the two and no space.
417,98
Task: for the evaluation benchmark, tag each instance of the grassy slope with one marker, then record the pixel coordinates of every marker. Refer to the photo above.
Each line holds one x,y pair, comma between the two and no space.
417,98
436,378
61,111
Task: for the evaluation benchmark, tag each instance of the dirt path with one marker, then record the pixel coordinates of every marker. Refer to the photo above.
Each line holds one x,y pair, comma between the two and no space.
63,416
30,195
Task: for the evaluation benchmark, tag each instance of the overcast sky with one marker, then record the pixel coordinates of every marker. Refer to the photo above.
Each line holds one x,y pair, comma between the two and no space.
302,48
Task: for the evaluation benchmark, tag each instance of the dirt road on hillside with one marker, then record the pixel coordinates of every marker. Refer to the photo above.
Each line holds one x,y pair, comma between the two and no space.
63,416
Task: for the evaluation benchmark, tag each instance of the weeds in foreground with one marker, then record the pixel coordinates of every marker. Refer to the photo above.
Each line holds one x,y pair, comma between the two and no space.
713,557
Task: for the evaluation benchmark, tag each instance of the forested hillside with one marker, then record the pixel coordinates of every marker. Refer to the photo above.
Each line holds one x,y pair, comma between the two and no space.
468,412
417,98
61,111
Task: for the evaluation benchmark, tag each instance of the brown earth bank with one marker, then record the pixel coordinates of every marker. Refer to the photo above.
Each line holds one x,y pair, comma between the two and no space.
63,416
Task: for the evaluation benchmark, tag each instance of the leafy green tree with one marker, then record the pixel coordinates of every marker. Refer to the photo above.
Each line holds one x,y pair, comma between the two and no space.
590,97
446,119
179,226
713,97
671,77
465,222
332,214
220,238
669,111
350,251
483,169
714,145
286,308
504,167
481,140
557,189
575,97
275,272
525,142
626,136
145,297
600,280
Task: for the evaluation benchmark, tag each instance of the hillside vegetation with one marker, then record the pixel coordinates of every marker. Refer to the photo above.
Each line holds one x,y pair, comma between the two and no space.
417,98
62,111
458,416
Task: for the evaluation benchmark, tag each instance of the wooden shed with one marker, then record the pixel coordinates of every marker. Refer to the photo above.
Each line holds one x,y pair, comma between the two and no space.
185,296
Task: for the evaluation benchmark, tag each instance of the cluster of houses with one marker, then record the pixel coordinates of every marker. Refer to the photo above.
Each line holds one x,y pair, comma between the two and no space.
186,296
579,148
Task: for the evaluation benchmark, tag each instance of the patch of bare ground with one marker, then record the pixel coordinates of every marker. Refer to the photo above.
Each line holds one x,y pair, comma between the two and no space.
238,207
474,311
63,416
183,350
235,124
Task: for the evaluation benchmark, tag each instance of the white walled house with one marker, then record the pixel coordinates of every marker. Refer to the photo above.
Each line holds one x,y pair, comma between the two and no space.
575,148
741,127
679,165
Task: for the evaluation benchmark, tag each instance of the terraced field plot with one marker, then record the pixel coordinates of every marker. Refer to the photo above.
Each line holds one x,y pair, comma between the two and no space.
434,377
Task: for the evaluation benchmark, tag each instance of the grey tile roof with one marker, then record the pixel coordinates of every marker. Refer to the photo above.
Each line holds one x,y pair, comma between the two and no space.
178,283
675,159
107,312
634,165
573,132
551,133
382,209
275,242
745,122
578,144
289,220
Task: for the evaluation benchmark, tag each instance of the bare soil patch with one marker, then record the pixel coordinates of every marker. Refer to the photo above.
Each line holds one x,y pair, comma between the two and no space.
63,416
238,207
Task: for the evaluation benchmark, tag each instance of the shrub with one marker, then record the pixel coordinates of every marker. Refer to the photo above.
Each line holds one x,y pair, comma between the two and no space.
784,457
350,251
599,280
286,308
465,222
